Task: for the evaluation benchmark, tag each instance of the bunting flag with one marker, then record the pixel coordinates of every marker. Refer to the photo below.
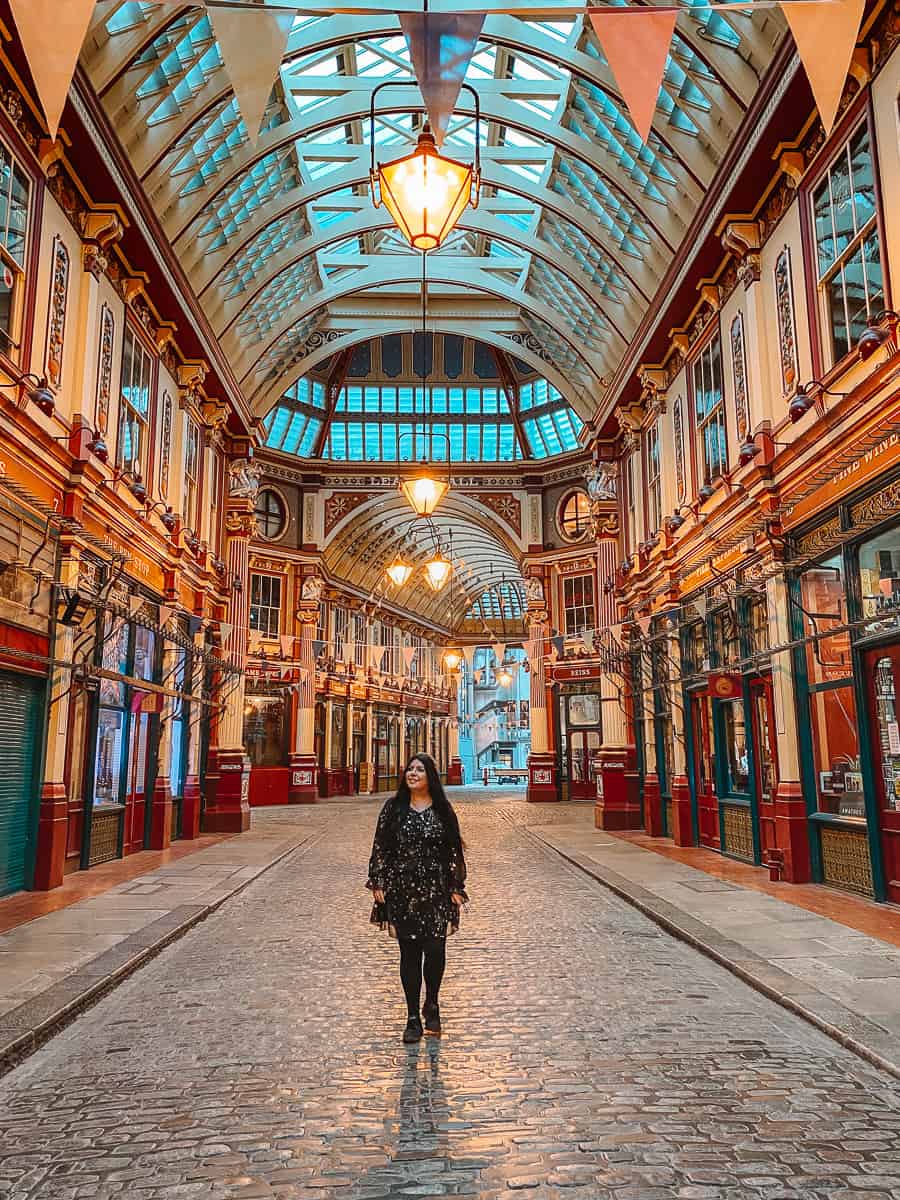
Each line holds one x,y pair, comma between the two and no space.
409,653
636,50
318,647
252,42
558,643
287,644
135,604
225,628
825,35
499,650
699,603
644,625
165,612
303,673
254,641
469,655
441,46
587,640
195,624
52,35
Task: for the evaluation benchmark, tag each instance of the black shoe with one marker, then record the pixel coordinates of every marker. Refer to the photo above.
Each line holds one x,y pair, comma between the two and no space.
432,1015
413,1031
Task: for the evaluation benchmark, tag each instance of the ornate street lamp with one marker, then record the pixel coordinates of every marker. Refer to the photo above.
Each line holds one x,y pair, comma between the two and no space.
452,658
437,571
425,192
424,492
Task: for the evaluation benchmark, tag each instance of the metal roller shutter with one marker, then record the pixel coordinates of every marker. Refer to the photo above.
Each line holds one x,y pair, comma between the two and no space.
21,710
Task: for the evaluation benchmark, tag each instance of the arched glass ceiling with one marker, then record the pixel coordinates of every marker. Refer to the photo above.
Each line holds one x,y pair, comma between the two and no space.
476,404
578,221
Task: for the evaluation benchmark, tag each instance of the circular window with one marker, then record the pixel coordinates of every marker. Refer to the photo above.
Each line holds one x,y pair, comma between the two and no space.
575,516
271,517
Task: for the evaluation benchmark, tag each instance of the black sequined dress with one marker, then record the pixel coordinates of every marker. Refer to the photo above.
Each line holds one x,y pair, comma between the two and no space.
417,866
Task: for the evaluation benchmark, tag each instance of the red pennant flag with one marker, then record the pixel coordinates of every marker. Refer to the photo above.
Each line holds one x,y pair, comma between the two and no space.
52,34
441,46
636,44
825,35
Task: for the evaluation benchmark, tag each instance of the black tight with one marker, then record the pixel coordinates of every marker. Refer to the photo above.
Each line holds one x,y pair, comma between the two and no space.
412,953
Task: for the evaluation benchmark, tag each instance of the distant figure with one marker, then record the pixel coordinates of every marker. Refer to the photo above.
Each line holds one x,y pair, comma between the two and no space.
417,875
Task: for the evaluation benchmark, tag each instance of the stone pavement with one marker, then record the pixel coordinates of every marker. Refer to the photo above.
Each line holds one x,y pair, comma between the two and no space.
587,1055
54,964
845,981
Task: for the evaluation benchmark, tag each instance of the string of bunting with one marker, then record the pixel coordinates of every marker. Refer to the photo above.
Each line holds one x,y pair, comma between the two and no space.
253,40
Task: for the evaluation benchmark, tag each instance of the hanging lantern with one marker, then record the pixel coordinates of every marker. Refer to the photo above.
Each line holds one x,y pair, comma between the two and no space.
425,192
452,658
398,572
437,571
504,678
424,493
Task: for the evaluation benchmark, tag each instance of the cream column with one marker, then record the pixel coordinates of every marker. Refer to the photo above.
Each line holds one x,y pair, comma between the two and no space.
542,772
367,771
791,824
303,788
53,818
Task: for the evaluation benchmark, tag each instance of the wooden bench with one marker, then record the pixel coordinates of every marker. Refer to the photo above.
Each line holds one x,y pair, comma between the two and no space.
498,773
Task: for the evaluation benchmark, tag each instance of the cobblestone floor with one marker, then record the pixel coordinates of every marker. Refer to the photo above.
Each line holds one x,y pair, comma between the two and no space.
587,1056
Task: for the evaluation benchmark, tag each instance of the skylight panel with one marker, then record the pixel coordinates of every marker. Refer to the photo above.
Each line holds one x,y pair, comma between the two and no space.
129,16
561,31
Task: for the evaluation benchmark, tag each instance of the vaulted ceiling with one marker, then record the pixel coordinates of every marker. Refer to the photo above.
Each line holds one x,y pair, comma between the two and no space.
292,262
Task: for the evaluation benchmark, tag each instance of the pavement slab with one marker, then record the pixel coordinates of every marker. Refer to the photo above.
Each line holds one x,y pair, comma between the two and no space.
587,1054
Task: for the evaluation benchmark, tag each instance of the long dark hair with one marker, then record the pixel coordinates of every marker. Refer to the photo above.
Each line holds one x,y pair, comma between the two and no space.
442,807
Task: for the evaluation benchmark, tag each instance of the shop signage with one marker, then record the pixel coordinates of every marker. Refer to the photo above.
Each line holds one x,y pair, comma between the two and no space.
725,685
870,464
588,671
11,468
301,779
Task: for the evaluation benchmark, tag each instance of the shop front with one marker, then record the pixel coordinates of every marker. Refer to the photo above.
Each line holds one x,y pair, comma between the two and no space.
267,719
578,729
846,613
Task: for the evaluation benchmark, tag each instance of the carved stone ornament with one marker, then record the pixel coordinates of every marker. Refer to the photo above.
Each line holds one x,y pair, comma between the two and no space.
312,588
56,326
534,592
678,429
104,368
787,334
243,479
508,509
602,481
739,371
165,448
339,505
240,524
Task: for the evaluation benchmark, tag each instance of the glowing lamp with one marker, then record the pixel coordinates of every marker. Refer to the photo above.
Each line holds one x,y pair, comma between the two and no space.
452,659
399,571
424,493
425,193
437,571
504,678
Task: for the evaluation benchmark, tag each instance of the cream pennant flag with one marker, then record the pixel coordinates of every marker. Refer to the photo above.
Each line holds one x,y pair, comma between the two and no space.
165,612
469,655
252,42
499,650
303,673
644,625
135,604
825,36
254,641
587,640
441,46
700,603
225,628
287,644
636,44
52,34
409,653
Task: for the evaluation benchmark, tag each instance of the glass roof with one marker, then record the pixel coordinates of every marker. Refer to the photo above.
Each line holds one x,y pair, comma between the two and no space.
578,219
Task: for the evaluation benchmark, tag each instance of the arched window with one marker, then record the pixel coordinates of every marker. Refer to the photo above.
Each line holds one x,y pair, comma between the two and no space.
270,514
575,516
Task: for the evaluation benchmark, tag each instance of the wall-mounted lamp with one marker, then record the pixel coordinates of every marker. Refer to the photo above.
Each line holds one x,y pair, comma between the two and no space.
168,518
38,392
748,451
876,333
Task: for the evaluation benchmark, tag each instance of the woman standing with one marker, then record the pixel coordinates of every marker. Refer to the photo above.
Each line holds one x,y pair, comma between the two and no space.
417,874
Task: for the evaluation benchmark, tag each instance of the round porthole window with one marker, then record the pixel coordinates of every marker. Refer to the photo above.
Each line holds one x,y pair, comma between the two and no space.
574,516
270,513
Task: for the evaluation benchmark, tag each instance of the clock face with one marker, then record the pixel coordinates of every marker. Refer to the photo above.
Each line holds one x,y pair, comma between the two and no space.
724,687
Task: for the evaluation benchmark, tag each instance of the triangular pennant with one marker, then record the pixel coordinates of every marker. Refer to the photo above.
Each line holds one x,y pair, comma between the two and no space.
52,35
303,673
469,655
254,641
700,603
636,44
195,624
252,42
225,628
165,611
558,643
499,650
825,35
409,653
644,625
441,46
287,645
135,603
318,647
587,640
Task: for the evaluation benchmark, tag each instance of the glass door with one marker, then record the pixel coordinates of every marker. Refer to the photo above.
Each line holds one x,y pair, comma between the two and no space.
705,770
883,687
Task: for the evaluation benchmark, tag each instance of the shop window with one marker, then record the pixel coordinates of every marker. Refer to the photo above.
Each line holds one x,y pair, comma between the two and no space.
735,746
338,737
192,475
575,516
709,408
833,722
726,646
270,514
758,624
15,208
887,729
359,639
341,623
265,730
879,577
764,743
848,255
696,649
134,405
265,604
578,603
654,480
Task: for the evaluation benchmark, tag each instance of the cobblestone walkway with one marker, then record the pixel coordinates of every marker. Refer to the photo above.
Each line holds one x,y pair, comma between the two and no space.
587,1056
